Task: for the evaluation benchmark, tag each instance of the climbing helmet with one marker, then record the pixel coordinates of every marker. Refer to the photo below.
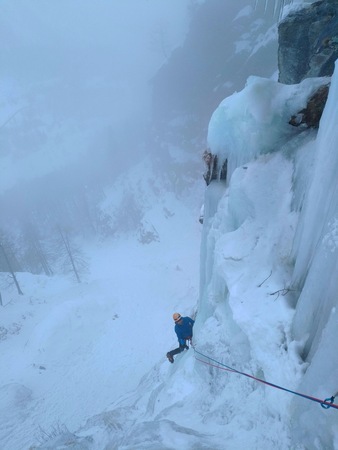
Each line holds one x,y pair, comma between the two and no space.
177,317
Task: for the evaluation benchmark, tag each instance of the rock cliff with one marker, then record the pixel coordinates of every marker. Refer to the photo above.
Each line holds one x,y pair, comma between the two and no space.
308,42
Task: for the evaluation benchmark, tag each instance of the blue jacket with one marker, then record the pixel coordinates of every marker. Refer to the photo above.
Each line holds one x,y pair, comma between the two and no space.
184,331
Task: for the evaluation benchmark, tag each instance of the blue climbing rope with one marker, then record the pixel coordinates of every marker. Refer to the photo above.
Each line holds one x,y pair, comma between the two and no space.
326,404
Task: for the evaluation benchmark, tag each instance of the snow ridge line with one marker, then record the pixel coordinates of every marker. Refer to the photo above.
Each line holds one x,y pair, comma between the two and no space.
326,404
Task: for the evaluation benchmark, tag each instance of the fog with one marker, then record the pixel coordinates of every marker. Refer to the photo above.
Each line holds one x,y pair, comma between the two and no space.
91,88
75,93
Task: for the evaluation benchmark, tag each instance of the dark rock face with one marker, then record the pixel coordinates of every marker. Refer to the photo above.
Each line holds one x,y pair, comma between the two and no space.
309,117
308,42
214,172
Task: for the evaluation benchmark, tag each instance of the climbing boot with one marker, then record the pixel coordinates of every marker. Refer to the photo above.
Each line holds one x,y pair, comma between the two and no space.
170,357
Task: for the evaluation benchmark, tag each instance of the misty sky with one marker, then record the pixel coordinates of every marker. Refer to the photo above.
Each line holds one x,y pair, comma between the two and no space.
85,40
74,80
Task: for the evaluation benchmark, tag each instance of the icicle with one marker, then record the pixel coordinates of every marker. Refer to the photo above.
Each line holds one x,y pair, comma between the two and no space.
276,6
281,9
266,6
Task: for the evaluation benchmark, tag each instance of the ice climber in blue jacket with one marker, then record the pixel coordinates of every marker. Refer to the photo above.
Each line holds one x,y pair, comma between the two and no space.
183,329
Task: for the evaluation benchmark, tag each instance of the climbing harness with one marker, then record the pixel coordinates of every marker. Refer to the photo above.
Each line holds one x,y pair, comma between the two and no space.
326,404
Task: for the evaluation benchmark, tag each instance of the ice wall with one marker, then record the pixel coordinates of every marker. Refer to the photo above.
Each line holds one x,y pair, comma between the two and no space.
315,273
282,191
255,121
246,126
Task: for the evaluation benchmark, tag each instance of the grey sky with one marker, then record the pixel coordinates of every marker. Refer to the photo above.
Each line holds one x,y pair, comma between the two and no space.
76,73
85,39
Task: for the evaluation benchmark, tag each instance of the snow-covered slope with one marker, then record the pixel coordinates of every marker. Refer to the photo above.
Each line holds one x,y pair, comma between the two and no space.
68,351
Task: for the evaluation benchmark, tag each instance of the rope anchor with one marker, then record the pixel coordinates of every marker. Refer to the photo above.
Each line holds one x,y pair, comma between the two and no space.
326,402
